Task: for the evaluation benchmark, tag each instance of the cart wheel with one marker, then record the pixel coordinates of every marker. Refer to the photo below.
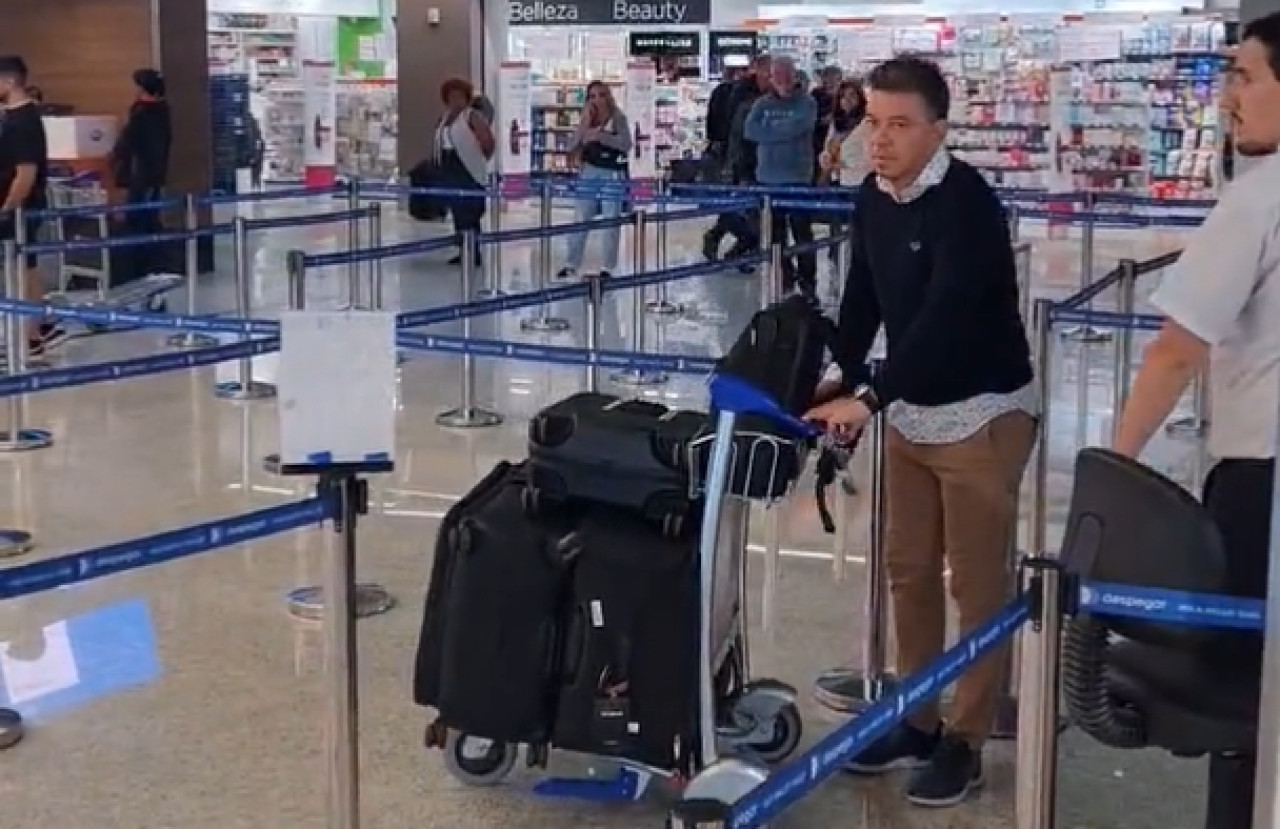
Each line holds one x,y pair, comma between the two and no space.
479,762
787,731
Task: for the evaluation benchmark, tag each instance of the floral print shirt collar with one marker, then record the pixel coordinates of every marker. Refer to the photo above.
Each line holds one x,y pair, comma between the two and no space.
931,176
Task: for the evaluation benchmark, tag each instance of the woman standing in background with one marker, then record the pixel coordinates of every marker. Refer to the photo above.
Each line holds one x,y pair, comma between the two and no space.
602,143
845,159
463,146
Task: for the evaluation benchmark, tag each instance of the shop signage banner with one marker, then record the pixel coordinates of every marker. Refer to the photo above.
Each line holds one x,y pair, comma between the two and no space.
733,43
641,108
319,117
608,12
512,127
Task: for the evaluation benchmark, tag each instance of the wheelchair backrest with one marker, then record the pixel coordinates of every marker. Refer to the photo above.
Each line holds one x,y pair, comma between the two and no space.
1130,525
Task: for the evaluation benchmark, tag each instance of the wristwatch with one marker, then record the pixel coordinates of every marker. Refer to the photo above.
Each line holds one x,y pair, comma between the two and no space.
867,396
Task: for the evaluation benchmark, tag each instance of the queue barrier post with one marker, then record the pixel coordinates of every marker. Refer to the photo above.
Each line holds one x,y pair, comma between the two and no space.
638,377
544,322
595,307
493,261
852,690
1122,369
1039,720
191,224
767,275
353,243
468,415
244,387
17,438
661,304
309,603
376,297
1088,234
1026,279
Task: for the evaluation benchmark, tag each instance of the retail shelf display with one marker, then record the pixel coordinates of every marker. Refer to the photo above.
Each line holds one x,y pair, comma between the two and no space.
367,129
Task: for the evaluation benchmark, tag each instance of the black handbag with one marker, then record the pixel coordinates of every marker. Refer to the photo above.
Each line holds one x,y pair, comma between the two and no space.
423,207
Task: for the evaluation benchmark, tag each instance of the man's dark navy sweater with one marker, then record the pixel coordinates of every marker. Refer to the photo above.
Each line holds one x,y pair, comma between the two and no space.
939,273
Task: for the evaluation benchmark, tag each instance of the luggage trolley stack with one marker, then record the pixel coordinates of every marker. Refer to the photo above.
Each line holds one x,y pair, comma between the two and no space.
592,597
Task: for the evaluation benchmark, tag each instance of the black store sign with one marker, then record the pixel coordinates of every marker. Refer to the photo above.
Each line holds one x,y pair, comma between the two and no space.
608,12
733,43
664,44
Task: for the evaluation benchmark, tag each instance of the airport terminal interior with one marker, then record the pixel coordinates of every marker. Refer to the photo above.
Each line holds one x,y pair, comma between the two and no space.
189,695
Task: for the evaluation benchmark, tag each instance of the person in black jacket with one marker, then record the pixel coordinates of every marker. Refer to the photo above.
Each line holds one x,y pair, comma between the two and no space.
932,262
141,156
719,115
740,164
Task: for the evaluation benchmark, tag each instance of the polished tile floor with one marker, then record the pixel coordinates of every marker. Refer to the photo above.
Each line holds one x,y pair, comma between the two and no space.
185,696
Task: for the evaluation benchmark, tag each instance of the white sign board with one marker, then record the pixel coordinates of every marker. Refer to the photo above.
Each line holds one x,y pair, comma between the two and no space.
337,387
642,108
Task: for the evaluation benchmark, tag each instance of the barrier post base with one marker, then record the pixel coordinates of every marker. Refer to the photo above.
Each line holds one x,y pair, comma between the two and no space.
25,440
1005,726
1087,334
468,418
190,339
1186,427
662,307
638,377
11,728
308,602
851,691
490,293
15,543
553,325
233,390
699,814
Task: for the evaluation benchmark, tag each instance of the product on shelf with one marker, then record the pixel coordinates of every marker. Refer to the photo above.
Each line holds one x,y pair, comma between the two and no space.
367,129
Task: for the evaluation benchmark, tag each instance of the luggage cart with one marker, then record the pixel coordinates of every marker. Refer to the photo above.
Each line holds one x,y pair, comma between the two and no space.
76,268
744,725
145,295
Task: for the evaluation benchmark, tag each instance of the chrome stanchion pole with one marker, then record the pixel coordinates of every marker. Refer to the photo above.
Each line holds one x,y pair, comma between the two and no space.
1022,260
1036,789
638,376
468,415
493,261
308,603
661,304
191,224
341,654
768,277
20,237
375,296
353,243
1122,369
595,307
1012,215
244,387
1088,233
104,259
544,322
850,690
17,438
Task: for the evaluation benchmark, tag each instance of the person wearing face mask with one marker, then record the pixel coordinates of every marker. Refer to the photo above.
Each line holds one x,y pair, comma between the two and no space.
601,145
24,175
140,158
932,262
1220,304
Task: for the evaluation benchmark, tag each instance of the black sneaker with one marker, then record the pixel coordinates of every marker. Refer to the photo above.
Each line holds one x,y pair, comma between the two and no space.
48,337
954,771
905,747
710,247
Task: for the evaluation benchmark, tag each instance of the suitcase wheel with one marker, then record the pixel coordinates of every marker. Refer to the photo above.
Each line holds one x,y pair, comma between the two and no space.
787,731
476,761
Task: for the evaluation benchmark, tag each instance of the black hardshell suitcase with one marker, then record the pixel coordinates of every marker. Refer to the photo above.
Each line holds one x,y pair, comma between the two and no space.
596,448
782,352
499,617
631,644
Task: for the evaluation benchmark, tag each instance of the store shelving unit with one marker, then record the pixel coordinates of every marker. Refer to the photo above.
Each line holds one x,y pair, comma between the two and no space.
367,129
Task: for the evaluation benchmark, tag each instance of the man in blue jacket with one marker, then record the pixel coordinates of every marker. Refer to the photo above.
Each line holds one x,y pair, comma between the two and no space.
781,124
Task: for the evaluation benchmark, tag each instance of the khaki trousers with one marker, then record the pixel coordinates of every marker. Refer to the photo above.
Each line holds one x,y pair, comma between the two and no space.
954,505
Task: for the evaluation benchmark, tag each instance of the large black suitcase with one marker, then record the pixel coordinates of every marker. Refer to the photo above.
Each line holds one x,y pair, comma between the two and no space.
631,643
596,448
496,616
782,352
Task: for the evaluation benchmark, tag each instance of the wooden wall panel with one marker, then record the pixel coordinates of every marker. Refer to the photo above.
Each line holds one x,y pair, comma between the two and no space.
84,53
428,55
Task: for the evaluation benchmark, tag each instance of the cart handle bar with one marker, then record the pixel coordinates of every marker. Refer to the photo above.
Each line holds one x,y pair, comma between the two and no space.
733,394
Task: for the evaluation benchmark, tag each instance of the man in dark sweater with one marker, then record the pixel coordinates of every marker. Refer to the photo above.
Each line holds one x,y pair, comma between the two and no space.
933,263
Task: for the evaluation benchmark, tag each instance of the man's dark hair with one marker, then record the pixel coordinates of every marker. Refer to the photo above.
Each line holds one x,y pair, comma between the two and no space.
1266,30
915,76
12,66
